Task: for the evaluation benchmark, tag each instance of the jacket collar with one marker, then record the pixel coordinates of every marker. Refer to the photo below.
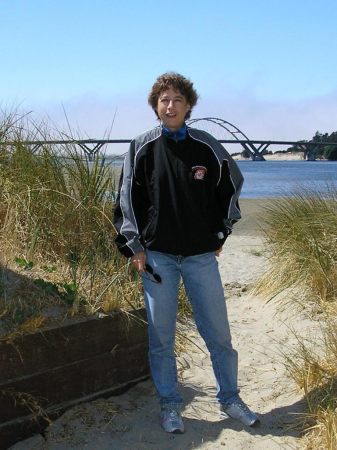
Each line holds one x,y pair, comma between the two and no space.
178,135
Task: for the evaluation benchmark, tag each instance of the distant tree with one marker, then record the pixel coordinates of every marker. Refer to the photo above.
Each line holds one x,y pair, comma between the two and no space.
324,152
246,154
295,148
328,151
333,137
319,137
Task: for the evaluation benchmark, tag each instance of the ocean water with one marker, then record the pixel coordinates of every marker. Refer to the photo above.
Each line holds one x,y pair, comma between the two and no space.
281,178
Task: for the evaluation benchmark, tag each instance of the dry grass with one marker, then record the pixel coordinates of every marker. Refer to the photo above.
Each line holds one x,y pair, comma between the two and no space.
32,403
313,367
302,235
57,238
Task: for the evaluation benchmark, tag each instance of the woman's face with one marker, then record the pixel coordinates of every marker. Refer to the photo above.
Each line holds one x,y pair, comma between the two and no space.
172,108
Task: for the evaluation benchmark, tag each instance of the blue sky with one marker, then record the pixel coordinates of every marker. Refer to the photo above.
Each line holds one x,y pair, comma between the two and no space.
269,67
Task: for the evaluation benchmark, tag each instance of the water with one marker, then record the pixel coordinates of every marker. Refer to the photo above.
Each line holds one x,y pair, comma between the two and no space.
280,178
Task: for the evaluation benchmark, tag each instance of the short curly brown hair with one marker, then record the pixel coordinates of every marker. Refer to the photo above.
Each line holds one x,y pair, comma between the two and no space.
177,82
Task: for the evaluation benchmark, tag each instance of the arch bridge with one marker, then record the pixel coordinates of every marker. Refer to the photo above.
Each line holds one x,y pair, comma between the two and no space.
256,149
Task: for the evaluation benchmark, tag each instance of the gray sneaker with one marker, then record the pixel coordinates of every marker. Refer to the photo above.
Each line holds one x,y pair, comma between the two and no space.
171,421
239,410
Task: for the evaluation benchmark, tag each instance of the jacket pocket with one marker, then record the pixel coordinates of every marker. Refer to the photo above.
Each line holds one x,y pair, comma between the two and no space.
222,236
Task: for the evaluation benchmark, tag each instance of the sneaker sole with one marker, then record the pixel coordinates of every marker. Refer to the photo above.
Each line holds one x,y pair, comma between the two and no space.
224,415
178,432
256,423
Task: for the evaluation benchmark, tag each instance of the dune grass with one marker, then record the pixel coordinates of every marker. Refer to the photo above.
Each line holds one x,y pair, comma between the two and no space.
57,238
301,233
312,365
302,237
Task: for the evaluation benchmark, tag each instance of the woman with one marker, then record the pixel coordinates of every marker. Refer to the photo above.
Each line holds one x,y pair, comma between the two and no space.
177,203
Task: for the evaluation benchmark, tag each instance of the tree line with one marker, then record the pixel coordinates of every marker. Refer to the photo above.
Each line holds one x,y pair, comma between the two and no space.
325,151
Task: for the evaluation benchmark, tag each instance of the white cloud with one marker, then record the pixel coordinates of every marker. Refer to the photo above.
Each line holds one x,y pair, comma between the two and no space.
288,120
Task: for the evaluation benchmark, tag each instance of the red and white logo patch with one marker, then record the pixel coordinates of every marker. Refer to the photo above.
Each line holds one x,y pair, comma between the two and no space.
199,172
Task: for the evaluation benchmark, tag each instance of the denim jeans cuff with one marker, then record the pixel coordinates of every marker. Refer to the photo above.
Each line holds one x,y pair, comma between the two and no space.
230,400
171,405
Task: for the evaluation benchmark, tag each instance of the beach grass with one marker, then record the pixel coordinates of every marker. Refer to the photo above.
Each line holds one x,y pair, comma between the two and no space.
57,237
301,232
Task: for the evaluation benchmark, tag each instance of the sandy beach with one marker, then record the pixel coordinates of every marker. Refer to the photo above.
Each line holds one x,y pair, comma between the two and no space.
294,156
260,332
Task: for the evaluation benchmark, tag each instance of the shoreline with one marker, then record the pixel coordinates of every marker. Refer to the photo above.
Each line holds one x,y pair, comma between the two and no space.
296,156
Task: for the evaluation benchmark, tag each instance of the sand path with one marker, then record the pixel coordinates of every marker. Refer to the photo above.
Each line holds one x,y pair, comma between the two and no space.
259,332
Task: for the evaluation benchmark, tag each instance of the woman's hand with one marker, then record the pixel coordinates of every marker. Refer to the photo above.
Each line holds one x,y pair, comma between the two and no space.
138,261
217,252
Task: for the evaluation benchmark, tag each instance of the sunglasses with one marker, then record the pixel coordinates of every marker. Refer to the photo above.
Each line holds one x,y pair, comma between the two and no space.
155,278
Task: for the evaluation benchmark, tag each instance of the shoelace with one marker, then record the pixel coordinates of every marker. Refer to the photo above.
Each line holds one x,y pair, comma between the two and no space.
242,406
174,415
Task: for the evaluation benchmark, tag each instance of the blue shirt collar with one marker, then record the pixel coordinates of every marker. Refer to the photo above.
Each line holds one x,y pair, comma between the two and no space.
178,135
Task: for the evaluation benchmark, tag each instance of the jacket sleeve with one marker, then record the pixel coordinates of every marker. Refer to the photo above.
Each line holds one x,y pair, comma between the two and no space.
228,192
229,188
128,238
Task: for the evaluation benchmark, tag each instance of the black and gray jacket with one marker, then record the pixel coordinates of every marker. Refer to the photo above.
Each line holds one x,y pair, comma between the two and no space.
177,197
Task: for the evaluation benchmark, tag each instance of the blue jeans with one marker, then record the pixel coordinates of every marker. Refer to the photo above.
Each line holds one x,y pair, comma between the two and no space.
204,289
